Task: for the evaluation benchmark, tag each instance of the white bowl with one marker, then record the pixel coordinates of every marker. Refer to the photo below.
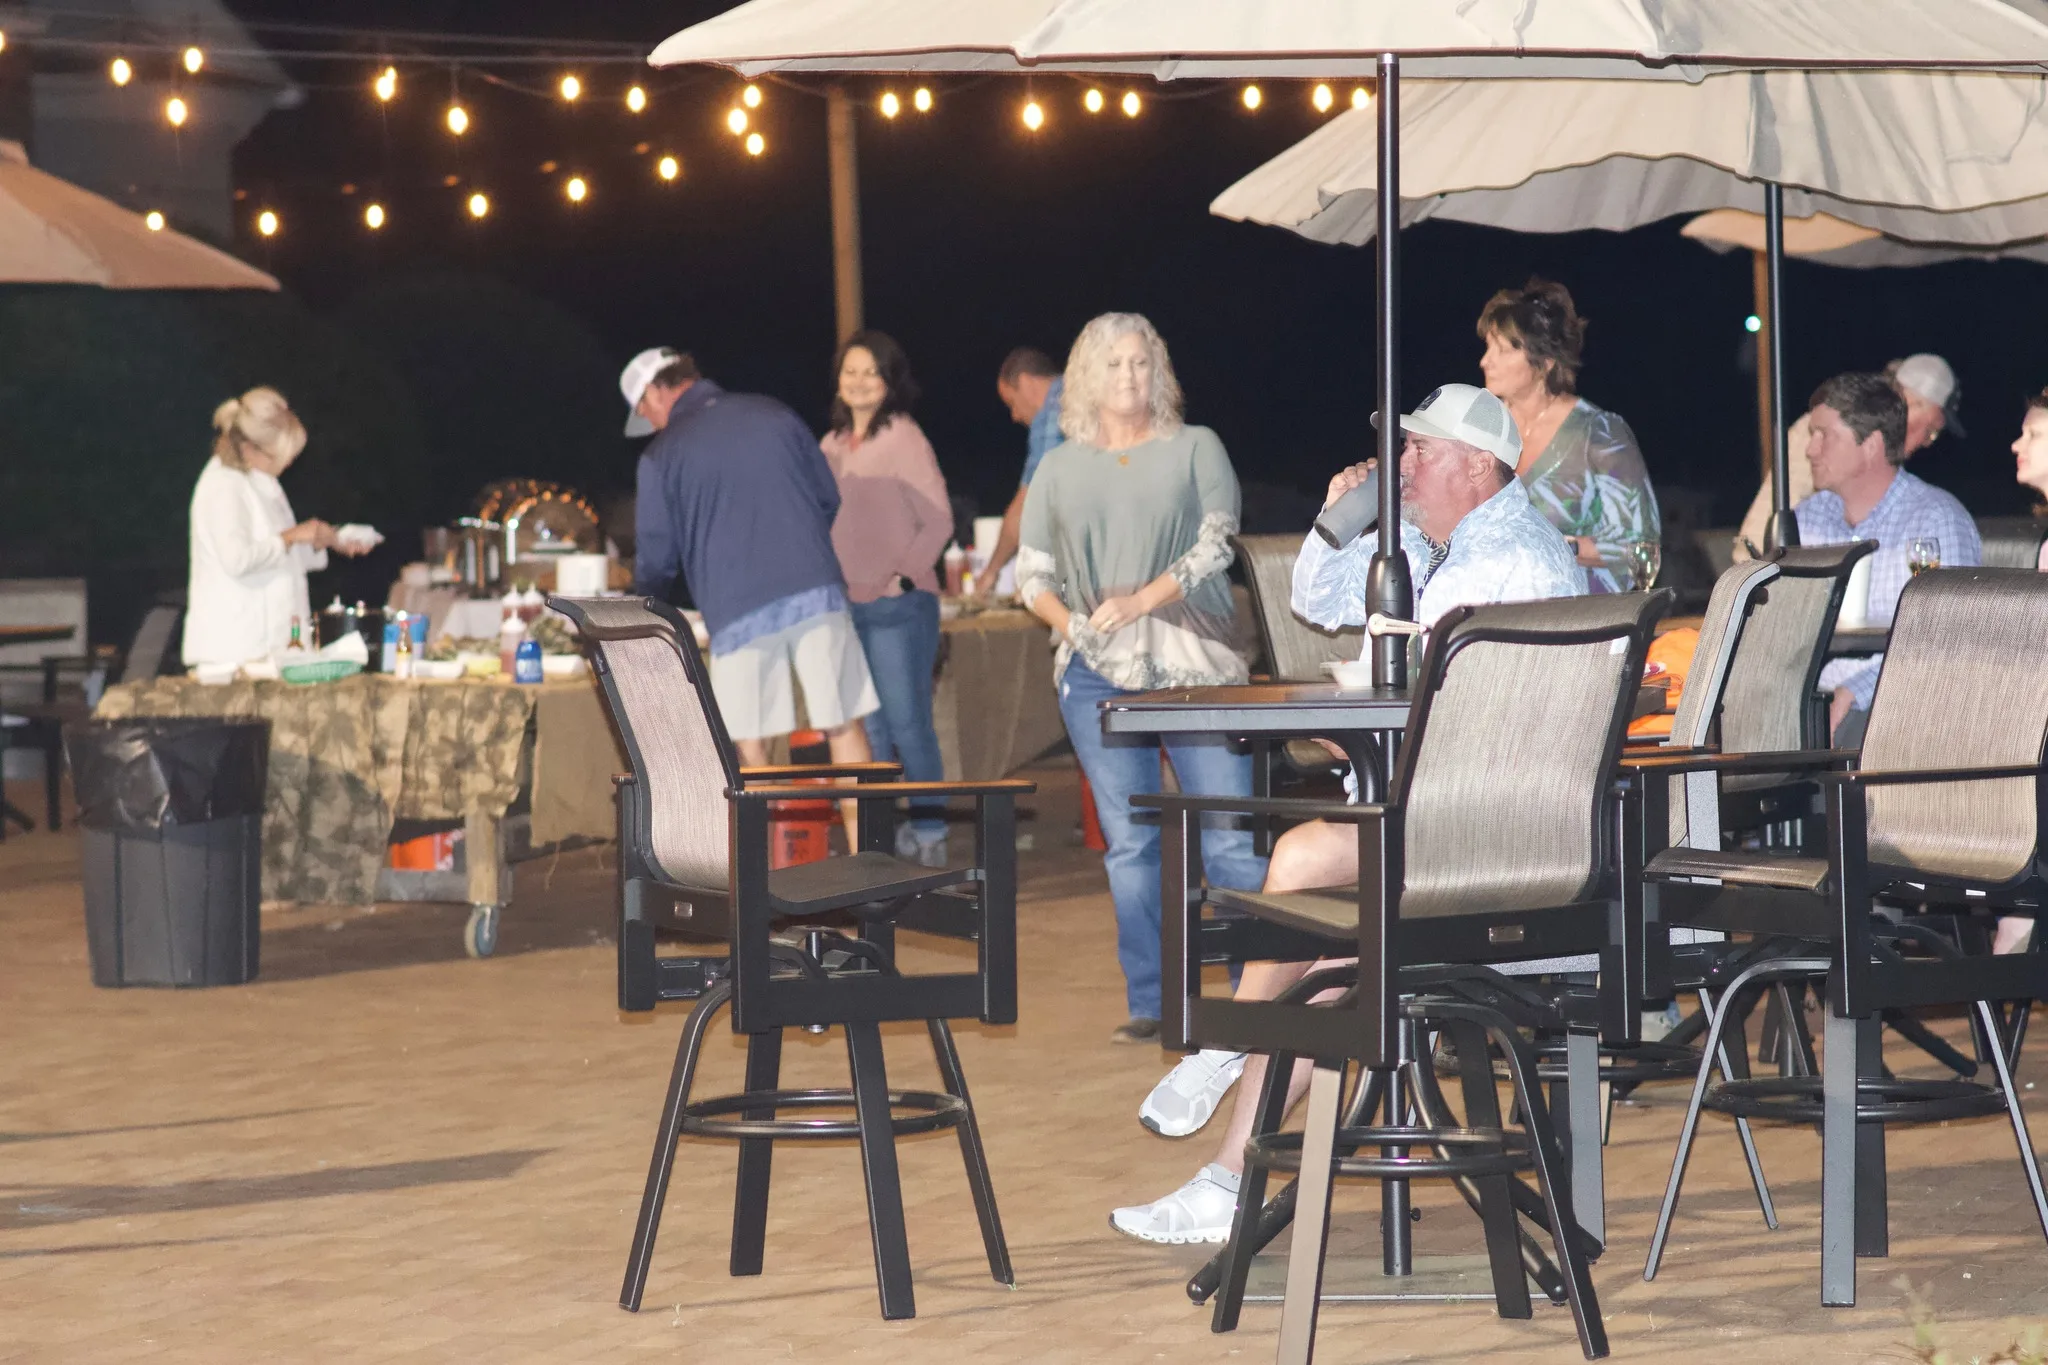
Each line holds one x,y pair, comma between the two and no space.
1351,674
444,670
561,665
215,675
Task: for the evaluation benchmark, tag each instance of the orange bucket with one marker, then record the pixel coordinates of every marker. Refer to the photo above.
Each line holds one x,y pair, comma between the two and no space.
428,853
801,831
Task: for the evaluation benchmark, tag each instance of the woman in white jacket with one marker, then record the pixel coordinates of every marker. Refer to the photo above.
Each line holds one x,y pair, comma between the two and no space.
250,554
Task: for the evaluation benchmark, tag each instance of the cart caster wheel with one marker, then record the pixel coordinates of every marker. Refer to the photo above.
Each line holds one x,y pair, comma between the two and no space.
480,937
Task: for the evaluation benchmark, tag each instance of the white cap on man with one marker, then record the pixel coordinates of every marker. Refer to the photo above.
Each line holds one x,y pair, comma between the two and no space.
635,378
1461,412
1930,377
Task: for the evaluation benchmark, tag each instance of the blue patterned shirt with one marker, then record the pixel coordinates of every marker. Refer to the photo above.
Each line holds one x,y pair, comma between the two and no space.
1909,509
780,614
1044,432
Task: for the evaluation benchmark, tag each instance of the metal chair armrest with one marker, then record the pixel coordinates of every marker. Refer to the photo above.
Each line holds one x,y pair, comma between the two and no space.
1902,777
1261,805
875,791
783,772
1690,762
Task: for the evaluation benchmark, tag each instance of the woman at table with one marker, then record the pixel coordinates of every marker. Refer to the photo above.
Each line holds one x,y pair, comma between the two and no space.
250,554
894,520
1124,544
2030,453
1579,462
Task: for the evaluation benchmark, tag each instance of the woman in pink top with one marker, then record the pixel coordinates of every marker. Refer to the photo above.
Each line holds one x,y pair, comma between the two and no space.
894,521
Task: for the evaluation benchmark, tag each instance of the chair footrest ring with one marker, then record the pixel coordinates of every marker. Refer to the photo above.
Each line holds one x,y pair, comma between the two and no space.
929,1112
1493,1151
1879,1099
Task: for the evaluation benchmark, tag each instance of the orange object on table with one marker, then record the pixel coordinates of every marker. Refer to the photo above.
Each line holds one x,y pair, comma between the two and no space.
801,831
1674,650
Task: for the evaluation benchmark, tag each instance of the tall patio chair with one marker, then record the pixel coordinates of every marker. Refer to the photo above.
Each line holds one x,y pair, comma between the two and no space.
2011,542
1295,650
697,829
1944,806
1502,838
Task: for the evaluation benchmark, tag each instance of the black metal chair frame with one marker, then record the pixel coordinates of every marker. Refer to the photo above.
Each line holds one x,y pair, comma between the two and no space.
828,977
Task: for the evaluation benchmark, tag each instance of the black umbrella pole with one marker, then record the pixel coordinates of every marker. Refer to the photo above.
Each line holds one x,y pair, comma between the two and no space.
1783,532
1388,590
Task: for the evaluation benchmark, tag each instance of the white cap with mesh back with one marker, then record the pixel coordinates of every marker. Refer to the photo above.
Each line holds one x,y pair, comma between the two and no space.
634,379
1461,412
1930,377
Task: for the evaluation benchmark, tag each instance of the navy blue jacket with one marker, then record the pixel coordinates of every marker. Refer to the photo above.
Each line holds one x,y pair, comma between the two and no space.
736,496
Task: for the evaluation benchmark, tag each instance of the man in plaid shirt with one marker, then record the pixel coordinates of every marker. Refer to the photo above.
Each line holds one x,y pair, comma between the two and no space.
1858,445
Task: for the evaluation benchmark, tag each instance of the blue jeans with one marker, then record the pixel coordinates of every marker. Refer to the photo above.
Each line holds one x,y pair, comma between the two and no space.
900,636
1124,766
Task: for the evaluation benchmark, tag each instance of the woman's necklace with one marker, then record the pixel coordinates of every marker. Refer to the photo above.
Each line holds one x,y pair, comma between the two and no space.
1531,450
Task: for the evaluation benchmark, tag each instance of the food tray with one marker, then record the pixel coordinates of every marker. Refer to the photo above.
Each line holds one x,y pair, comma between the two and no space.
320,671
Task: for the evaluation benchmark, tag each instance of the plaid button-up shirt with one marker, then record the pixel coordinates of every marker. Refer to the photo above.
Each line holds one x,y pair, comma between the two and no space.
1910,508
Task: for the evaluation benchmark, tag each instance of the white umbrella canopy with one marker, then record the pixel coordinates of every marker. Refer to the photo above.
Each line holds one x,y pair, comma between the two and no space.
53,232
1826,240
1958,158
1176,39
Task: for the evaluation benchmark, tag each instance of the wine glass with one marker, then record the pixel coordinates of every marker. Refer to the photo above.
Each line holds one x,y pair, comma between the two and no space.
1923,554
1645,558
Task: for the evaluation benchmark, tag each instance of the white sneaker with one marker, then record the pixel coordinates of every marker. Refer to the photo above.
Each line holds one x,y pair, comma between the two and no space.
1187,1096
1199,1211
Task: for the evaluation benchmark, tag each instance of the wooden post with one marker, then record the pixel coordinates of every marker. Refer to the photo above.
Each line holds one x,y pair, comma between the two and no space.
845,178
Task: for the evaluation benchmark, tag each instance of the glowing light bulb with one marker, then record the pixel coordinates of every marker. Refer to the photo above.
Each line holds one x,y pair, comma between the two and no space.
267,223
194,59
1034,116
751,97
668,168
1092,101
1359,99
1132,104
386,84
756,144
1252,97
1752,323
373,217
736,119
3,40
175,112
572,89
458,119
479,204
890,105
119,72
636,99
920,99
576,189
1322,99
153,220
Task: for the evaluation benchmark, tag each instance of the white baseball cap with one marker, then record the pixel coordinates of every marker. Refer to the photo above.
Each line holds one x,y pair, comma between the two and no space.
1930,377
1461,412
634,379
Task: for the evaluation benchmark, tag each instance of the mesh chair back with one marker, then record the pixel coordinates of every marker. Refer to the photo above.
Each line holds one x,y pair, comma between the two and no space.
152,643
1965,684
1506,771
661,701
2011,542
1295,650
1736,594
1777,662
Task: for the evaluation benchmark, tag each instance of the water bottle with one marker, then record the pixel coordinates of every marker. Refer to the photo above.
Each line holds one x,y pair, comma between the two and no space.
526,662
1352,515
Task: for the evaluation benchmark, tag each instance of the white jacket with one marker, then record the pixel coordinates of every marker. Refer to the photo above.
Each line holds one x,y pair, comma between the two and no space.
246,583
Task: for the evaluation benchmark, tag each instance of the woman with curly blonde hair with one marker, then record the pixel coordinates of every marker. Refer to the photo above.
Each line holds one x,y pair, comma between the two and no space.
1125,540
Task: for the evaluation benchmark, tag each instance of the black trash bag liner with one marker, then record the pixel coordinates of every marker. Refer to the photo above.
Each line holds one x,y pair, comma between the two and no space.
152,772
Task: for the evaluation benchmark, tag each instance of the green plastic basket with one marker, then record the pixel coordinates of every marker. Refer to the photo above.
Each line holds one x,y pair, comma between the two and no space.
319,671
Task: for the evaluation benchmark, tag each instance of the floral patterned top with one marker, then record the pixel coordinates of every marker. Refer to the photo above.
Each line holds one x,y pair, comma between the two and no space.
1590,482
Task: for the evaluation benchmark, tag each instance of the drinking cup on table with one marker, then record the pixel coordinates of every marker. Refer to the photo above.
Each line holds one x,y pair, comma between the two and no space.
1923,554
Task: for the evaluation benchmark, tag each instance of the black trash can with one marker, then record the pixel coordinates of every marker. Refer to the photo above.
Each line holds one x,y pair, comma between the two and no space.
171,815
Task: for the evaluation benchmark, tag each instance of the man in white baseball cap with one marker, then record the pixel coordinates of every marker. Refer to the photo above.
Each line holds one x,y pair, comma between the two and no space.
652,382
1471,536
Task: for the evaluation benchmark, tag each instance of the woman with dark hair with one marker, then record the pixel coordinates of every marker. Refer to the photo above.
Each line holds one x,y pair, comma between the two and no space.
894,520
1580,462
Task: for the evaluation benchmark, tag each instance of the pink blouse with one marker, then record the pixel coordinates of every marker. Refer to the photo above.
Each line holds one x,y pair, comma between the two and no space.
894,517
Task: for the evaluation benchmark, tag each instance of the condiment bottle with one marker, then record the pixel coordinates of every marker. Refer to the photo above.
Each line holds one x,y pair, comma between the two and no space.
401,659
296,645
530,604
510,632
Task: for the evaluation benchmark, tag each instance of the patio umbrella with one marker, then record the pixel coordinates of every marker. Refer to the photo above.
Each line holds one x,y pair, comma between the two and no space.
1827,240
1952,159
53,232
1658,40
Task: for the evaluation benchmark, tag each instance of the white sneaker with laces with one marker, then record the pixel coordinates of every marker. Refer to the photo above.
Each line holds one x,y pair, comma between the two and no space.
1199,1211
1187,1096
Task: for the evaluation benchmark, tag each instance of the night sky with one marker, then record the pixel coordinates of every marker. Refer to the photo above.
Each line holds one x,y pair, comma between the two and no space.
979,236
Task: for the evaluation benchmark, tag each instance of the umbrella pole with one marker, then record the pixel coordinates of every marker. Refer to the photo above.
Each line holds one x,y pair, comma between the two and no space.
1388,590
1783,531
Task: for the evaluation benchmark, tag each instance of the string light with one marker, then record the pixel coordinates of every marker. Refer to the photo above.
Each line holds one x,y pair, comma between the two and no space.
1322,99
267,223
756,144
1034,116
1092,101
3,40
1132,104
175,111
668,168
576,189
920,99
194,59
119,72
153,220
1252,97
636,99
571,88
736,119
1359,99
751,97
891,106
458,119
386,84
479,204
373,217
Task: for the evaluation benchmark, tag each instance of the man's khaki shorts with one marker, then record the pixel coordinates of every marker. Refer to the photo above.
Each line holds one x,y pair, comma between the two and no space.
752,683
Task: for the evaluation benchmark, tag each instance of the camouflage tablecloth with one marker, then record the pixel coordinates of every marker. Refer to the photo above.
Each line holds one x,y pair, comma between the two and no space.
349,757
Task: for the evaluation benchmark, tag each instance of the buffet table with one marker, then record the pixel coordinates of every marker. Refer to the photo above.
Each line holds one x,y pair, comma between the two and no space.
995,707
